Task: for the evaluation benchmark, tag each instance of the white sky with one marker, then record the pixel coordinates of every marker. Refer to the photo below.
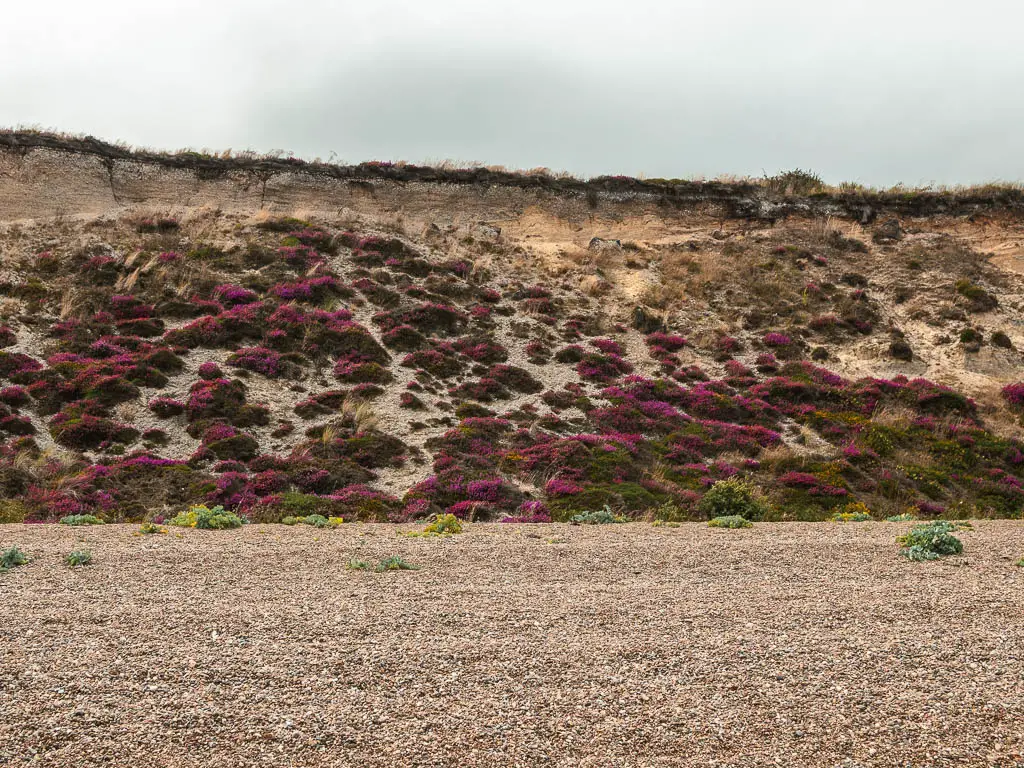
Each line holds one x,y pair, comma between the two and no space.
877,92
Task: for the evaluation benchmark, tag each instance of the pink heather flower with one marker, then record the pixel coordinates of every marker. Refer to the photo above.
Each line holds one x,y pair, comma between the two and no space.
776,339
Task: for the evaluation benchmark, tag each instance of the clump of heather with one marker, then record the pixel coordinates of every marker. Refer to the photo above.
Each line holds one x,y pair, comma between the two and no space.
602,368
258,360
1014,394
233,295
776,340
529,512
166,407
210,371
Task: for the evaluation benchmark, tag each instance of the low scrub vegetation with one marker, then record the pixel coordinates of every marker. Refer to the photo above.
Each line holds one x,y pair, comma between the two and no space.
392,563
733,498
201,516
730,521
603,516
81,520
273,367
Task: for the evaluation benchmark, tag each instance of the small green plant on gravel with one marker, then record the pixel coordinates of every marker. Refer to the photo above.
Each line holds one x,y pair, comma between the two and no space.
442,525
730,521
665,524
81,520
12,557
1020,563
394,563
902,517
148,529
855,512
733,497
931,541
317,521
79,557
201,516
603,516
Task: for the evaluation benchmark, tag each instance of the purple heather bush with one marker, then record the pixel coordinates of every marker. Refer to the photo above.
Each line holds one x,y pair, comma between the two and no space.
14,396
356,368
824,323
233,295
442,361
608,346
666,342
481,349
312,237
530,512
258,360
314,289
428,318
166,407
17,425
301,256
776,339
1014,394
210,370
602,368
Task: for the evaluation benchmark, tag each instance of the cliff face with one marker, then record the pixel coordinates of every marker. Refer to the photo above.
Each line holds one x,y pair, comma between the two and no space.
385,341
96,176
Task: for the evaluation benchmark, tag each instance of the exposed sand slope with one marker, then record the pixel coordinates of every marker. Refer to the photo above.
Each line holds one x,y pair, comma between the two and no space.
632,645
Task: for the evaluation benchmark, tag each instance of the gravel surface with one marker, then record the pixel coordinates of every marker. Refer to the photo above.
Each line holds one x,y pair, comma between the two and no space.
628,645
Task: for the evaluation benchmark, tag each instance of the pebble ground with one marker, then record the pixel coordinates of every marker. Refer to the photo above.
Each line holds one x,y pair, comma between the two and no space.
627,645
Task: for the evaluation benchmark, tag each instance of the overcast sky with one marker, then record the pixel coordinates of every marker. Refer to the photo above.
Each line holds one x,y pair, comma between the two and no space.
912,91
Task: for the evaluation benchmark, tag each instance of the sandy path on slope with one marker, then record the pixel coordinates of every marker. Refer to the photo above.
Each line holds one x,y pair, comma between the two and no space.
512,645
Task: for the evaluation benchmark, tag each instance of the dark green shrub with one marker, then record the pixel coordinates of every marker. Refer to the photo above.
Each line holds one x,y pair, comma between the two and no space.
733,497
979,299
970,336
1000,339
